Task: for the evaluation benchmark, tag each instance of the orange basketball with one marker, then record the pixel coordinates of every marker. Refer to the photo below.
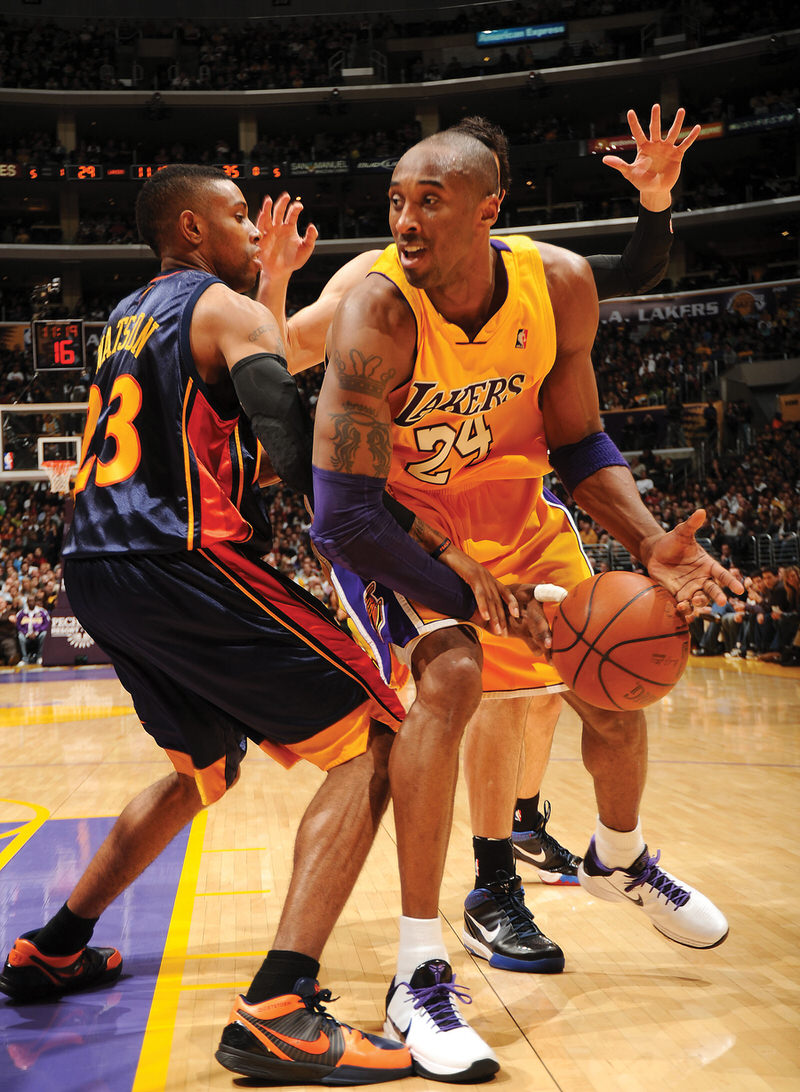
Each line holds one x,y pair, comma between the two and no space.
619,641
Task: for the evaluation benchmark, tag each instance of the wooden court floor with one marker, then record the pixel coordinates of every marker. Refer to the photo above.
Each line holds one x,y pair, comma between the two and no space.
632,1011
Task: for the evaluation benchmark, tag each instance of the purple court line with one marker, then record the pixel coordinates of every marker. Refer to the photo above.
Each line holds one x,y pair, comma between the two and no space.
90,1040
695,762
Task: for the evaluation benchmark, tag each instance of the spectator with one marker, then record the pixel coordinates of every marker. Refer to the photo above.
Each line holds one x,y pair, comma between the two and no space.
9,645
32,626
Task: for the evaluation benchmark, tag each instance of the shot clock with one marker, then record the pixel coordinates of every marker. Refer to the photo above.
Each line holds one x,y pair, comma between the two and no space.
58,345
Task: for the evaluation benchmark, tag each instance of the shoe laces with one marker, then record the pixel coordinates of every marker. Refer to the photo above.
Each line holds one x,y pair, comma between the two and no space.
439,1002
547,840
661,883
512,903
315,1003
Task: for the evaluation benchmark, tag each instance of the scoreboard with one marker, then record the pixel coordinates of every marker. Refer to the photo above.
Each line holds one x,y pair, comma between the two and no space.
58,345
95,172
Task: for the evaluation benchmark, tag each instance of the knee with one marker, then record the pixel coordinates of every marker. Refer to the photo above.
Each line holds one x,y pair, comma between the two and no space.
450,688
185,795
617,728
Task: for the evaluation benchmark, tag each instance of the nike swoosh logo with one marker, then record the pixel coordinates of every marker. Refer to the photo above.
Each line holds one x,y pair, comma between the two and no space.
634,898
313,1046
485,933
539,857
400,1033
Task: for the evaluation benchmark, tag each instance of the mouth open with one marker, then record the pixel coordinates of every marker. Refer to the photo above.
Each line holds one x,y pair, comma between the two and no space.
411,254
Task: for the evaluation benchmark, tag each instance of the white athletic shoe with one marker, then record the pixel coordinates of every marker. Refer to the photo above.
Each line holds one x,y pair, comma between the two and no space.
423,1014
675,908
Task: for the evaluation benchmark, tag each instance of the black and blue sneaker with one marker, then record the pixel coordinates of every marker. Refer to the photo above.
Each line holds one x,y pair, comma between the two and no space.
538,848
498,926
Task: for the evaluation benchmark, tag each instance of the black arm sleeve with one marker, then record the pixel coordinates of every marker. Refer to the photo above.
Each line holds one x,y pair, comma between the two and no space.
404,516
642,264
270,398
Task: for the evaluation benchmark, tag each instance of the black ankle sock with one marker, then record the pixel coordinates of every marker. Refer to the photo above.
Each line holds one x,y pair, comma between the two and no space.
64,933
491,856
278,974
526,813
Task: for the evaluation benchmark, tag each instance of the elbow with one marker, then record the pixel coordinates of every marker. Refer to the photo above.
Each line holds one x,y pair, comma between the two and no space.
337,545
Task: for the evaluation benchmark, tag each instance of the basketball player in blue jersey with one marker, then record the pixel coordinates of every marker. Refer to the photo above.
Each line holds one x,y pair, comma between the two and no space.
163,567
459,372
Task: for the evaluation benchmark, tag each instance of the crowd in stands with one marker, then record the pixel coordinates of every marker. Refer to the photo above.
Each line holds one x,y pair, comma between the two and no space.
668,360
31,523
298,52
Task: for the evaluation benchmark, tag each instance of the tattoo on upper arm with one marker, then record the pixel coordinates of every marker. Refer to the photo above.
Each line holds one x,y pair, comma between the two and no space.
358,424
272,328
363,374
354,426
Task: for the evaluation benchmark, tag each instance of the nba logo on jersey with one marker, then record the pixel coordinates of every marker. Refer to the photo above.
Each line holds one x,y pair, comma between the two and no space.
522,339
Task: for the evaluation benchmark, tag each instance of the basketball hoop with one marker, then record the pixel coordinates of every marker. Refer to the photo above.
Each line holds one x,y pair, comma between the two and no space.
59,471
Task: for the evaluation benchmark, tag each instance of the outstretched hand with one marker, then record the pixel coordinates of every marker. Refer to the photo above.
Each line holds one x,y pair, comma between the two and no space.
657,165
283,249
680,563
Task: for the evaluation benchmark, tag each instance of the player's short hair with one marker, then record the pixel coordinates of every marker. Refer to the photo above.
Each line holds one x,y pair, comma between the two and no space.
165,195
480,128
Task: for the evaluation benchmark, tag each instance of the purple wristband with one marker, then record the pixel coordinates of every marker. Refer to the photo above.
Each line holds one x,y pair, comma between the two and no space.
575,462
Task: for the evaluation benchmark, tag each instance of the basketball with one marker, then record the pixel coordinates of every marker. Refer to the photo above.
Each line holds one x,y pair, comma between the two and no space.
619,641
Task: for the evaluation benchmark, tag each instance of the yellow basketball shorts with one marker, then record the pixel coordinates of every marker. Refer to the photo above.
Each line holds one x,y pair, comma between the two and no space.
522,533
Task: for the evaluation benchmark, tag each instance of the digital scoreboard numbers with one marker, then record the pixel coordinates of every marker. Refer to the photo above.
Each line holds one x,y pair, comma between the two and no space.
137,172
58,345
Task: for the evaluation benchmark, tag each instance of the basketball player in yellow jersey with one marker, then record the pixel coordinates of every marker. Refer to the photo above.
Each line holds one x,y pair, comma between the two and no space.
422,390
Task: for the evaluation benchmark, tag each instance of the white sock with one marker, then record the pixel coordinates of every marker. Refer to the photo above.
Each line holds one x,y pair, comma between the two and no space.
420,940
618,848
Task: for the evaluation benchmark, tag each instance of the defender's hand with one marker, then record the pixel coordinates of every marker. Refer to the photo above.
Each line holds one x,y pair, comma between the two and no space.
283,250
657,165
495,601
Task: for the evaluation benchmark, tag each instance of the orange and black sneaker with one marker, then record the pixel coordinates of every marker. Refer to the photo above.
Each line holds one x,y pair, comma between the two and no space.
30,975
292,1039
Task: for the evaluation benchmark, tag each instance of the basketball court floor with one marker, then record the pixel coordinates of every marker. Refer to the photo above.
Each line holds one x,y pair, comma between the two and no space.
632,1011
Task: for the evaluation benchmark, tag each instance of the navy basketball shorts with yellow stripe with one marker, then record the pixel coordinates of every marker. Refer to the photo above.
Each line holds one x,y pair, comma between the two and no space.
216,648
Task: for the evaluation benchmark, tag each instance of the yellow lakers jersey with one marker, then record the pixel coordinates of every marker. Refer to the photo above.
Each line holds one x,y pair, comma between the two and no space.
470,412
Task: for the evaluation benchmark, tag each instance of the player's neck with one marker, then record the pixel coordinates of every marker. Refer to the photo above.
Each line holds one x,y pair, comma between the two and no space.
470,304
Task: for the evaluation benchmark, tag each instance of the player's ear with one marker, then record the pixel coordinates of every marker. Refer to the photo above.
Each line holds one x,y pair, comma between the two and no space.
190,228
490,209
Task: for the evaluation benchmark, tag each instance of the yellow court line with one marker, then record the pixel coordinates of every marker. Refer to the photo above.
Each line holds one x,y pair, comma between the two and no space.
15,716
151,1073
22,833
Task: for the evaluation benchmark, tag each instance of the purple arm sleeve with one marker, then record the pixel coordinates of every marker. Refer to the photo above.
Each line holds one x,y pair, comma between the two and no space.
353,528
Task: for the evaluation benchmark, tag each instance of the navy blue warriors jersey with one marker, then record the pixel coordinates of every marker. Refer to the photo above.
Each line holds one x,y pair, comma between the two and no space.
168,463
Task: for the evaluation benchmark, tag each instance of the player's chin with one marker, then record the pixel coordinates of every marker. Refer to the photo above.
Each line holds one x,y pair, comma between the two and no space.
248,282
